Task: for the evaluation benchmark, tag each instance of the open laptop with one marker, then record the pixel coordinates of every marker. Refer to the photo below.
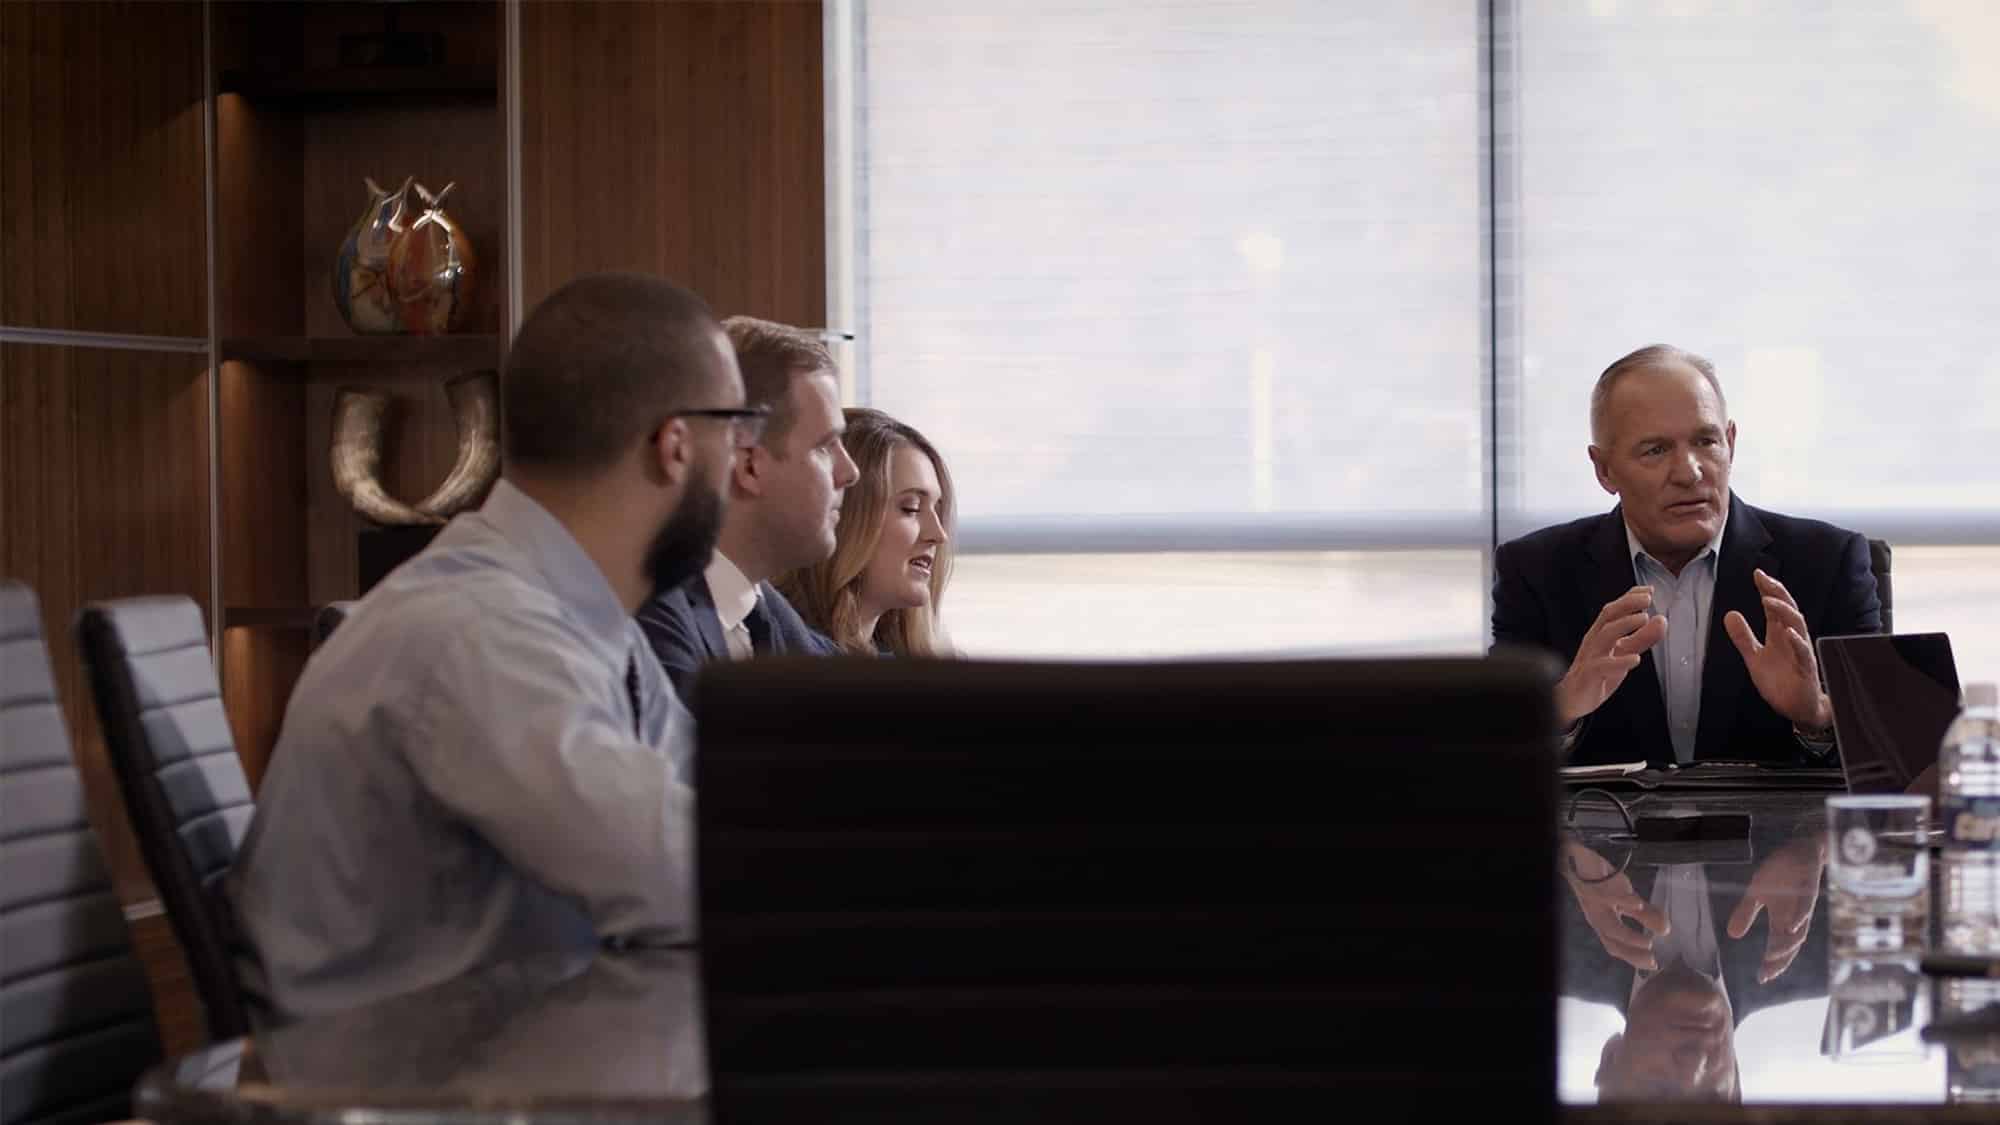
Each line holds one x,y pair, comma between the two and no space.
1893,696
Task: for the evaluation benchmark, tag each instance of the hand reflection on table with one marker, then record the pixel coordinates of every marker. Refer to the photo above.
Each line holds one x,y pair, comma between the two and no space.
1687,936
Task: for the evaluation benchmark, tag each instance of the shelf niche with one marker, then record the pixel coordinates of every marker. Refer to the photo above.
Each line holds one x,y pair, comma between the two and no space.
298,127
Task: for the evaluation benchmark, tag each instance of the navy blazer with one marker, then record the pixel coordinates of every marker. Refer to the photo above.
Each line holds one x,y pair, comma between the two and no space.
1549,586
686,633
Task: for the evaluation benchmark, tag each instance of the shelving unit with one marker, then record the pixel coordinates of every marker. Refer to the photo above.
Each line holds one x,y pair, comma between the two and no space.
255,617
298,128
467,350
360,82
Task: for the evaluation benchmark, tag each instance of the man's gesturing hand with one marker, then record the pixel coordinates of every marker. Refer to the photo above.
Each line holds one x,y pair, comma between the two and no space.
1782,664
1621,634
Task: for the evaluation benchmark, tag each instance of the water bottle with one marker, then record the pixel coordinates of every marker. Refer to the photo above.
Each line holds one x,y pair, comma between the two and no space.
1972,1064
1969,818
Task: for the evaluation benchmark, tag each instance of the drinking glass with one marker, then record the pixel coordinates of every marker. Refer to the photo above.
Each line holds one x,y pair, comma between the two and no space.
1876,1011
1879,874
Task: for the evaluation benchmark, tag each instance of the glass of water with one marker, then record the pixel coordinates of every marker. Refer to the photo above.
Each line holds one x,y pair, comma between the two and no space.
1878,872
1876,1011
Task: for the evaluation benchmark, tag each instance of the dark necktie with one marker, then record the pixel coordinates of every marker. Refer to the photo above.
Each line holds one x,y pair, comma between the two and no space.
758,625
632,692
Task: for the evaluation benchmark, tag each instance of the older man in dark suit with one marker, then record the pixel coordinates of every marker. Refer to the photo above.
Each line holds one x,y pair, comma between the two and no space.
1687,616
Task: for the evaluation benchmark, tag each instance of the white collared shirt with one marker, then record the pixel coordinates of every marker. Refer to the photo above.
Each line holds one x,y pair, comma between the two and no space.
1684,600
462,779
1681,891
735,596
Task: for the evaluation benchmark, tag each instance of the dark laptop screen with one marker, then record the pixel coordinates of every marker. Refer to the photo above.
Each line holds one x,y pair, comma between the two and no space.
1893,697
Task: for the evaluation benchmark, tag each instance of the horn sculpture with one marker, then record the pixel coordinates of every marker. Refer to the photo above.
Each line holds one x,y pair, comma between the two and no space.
357,458
357,452
475,406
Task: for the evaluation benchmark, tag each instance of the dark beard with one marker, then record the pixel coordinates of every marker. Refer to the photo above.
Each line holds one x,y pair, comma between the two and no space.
685,542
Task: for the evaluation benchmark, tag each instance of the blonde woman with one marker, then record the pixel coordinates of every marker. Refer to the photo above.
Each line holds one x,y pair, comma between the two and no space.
879,593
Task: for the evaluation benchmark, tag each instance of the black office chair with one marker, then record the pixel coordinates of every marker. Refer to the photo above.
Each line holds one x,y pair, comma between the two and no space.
328,619
185,791
961,890
76,1016
1878,561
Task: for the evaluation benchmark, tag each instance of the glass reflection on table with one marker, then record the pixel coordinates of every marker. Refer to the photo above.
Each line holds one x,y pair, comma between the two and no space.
1702,970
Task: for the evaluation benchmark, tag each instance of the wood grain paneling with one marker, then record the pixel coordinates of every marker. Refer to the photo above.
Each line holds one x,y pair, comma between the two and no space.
263,485
680,138
101,167
104,491
260,239
260,666
263,547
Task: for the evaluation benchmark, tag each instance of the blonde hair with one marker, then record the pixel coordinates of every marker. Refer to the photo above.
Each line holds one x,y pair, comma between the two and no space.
828,595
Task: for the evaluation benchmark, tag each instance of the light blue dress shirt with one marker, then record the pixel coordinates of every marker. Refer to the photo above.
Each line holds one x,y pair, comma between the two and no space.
458,779
1685,601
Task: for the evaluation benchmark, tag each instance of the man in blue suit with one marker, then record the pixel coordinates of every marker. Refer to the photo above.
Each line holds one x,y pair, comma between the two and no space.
785,488
1687,616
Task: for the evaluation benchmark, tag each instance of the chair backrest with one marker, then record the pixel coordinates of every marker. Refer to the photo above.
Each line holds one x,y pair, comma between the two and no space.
170,745
1878,561
76,1015
328,619
1192,890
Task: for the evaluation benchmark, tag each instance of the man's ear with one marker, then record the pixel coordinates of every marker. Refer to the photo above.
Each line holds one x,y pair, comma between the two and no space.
670,453
1729,433
746,470
1601,462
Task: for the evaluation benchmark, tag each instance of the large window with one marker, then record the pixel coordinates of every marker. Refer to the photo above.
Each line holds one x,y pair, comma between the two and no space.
1248,325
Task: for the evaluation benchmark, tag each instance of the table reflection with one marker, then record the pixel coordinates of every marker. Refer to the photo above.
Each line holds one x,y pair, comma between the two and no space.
1669,948
1698,970
535,1033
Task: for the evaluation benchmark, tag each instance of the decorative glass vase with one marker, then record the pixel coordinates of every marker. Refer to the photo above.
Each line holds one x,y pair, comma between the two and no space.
432,269
361,283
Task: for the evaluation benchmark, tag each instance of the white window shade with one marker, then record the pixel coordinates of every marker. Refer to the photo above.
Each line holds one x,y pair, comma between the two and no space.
1208,259
1803,192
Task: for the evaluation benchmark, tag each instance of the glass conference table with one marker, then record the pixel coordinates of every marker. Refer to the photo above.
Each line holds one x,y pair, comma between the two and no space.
1769,1016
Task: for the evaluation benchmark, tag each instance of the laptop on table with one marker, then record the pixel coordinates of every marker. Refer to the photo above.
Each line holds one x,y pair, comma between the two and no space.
1893,697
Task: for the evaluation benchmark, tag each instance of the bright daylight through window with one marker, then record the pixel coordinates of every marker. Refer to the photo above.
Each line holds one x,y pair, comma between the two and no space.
1199,300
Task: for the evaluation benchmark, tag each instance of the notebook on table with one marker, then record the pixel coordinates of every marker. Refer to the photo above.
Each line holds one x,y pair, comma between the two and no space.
1713,774
1893,697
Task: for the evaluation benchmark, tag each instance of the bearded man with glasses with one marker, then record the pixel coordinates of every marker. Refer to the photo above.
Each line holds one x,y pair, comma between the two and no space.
486,761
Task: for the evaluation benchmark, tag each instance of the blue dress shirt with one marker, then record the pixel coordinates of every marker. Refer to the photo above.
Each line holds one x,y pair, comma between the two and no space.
457,781
1684,600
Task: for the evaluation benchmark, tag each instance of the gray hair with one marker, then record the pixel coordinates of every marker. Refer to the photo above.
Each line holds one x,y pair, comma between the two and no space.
1651,356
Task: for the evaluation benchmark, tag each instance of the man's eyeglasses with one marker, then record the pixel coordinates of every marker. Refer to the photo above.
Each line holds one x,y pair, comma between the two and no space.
748,422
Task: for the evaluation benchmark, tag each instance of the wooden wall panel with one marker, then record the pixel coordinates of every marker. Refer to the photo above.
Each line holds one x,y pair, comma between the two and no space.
263,486
259,668
263,550
104,490
101,167
682,138
260,240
